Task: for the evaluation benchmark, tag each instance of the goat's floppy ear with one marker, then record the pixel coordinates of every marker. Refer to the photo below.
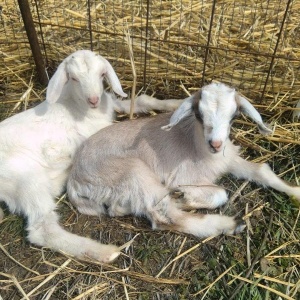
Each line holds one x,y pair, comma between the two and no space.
182,111
113,79
248,109
56,83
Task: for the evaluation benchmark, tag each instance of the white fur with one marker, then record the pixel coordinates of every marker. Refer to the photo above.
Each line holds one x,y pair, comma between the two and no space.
37,147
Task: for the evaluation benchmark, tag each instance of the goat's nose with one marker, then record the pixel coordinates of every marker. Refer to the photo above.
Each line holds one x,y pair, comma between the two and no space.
216,144
93,100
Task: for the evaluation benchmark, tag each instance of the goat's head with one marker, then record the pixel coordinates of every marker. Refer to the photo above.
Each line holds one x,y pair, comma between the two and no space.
215,107
83,71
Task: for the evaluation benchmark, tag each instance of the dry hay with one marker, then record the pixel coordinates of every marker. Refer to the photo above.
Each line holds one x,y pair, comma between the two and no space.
157,265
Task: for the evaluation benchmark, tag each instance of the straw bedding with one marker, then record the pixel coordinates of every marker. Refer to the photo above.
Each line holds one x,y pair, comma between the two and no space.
243,38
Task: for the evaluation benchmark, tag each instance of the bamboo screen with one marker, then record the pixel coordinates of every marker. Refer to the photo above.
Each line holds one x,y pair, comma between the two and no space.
178,45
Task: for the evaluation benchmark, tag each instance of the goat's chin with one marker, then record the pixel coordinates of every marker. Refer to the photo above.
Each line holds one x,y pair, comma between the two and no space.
92,105
215,151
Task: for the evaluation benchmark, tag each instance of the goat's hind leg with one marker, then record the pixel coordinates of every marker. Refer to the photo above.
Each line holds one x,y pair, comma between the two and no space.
167,216
262,174
208,196
149,197
134,188
44,230
142,193
47,232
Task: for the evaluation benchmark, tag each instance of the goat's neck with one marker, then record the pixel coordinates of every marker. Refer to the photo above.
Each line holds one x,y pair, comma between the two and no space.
191,134
88,120
200,143
81,111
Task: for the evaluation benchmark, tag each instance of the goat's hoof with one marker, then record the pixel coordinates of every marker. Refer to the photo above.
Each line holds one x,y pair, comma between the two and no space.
112,253
176,194
241,225
104,253
113,256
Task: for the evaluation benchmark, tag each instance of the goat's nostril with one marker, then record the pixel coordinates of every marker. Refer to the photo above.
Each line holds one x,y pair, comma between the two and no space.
93,100
215,144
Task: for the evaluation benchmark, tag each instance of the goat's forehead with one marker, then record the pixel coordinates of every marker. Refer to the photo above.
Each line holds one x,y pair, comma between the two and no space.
218,100
84,64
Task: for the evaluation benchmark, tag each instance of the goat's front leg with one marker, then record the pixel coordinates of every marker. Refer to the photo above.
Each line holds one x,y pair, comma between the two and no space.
262,174
198,196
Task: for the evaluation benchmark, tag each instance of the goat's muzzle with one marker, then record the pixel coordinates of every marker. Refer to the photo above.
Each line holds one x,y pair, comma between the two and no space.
215,146
93,101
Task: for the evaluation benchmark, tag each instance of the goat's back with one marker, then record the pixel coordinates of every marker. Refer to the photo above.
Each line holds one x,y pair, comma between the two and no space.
177,156
134,138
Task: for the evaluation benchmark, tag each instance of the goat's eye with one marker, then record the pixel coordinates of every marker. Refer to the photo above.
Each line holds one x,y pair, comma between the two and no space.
74,79
209,129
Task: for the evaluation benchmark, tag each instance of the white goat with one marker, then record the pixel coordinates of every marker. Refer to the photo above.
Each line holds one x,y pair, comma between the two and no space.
37,146
134,168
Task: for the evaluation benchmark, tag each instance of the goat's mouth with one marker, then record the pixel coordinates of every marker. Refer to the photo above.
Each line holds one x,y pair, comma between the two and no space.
93,105
215,150
215,146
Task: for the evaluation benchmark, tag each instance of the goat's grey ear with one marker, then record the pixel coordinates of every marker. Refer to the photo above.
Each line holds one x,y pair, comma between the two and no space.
113,79
181,112
56,83
248,109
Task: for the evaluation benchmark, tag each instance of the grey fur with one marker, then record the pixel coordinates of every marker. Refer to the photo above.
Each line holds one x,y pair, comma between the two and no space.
135,167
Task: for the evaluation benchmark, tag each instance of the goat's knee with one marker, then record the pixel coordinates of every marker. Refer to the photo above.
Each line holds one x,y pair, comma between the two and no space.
167,216
199,225
86,206
196,197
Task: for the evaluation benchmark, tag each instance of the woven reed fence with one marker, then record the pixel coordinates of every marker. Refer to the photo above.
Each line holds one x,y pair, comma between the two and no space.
177,45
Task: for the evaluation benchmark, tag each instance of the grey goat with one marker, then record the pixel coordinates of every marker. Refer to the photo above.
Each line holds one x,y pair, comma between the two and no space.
135,167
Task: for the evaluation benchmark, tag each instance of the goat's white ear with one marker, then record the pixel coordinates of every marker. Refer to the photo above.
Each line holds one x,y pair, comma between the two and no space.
113,79
181,112
56,83
248,109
